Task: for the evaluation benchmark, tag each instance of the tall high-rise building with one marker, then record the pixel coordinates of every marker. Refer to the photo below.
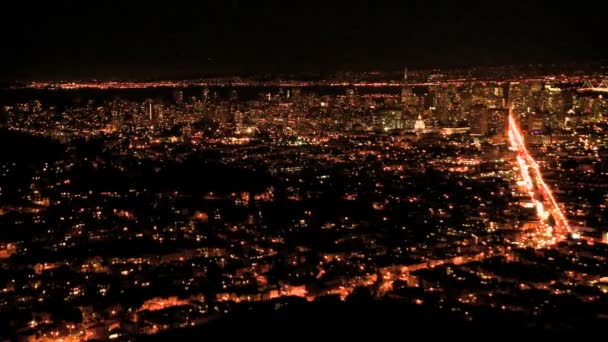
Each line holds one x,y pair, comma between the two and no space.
497,96
116,114
554,100
440,98
441,103
479,120
536,96
351,97
148,109
238,121
429,100
535,123
519,99
409,100
498,122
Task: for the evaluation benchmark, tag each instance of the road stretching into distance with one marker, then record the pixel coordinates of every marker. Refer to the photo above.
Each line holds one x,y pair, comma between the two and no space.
538,189
546,206
547,234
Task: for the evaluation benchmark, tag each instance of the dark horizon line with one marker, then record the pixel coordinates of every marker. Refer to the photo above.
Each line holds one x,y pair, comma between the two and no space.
600,63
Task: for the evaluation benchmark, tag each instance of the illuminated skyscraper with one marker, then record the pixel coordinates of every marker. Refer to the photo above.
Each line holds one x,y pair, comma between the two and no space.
116,113
479,120
351,97
497,122
238,121
408,98
554,100
148,109
519,97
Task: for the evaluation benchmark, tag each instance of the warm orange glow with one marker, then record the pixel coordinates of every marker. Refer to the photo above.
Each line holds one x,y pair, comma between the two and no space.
527,163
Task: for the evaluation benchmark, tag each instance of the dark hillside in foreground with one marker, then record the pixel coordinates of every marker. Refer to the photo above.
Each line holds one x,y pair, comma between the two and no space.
374,319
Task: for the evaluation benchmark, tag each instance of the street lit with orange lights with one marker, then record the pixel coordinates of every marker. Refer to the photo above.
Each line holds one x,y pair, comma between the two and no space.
537,188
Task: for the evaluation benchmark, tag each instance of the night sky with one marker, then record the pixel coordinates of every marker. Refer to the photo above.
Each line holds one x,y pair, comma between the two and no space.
127,39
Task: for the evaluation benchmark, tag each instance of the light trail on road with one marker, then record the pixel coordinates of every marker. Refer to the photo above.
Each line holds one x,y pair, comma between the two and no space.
527,163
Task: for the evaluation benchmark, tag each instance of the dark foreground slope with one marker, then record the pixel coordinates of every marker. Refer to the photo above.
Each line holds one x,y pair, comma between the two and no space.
364,319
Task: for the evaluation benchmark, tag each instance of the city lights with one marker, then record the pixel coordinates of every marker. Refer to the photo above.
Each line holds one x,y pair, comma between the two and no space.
292,170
